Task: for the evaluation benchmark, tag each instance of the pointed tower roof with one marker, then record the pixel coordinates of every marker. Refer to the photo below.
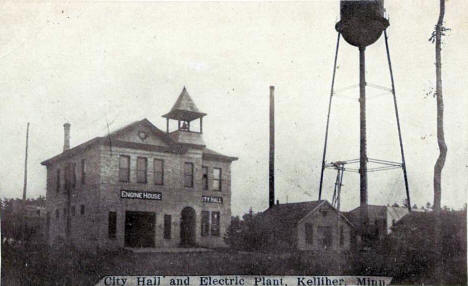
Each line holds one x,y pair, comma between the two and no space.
184,108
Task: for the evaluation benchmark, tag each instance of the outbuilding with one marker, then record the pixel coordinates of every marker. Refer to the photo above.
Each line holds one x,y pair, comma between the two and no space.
313,225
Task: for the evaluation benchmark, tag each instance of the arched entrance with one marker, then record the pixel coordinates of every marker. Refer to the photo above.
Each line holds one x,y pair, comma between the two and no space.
187,227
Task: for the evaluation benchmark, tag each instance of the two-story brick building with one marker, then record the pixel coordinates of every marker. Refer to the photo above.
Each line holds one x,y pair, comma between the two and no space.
141,187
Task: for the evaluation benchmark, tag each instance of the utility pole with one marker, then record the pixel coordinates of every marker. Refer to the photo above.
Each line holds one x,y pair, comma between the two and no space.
272,148
25,184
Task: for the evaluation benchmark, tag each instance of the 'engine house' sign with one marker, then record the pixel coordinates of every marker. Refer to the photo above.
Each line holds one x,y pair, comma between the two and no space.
126,194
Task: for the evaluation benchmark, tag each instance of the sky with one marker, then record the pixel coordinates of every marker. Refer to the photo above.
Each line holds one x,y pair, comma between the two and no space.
94,63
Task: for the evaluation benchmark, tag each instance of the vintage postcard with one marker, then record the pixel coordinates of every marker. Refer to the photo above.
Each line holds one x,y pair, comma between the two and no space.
233,143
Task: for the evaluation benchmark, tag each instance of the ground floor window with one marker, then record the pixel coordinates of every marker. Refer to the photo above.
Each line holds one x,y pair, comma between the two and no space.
341,235
167,226
112,224
309,233
215,223
326,238
82,209
205,223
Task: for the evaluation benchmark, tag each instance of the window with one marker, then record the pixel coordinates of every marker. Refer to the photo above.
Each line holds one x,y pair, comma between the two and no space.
124,168
142,167
167,226
158,172
83,171
309,233
205,223
217,179
215,223
326,238
188,175
112,224
73,211
82,210
58,181
205,178
67,177
57,213
341,235
73,175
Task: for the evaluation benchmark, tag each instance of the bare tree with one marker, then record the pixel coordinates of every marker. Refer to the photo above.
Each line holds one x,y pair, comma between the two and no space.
439,165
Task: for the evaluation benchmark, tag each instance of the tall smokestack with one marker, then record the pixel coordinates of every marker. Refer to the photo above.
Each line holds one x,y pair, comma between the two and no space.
272,147
66,136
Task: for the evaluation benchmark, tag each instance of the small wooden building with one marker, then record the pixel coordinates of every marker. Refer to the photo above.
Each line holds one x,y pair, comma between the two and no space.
313,225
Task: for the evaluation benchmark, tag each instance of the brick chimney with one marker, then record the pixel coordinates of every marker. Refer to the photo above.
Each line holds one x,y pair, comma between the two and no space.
66,136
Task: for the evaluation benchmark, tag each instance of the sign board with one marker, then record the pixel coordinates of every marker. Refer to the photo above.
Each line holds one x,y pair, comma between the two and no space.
212,199
140,195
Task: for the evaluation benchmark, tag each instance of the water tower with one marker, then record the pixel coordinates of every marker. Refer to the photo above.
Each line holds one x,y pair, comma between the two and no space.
361,24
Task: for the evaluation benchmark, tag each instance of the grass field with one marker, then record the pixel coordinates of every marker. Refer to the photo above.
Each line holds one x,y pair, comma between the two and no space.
40,266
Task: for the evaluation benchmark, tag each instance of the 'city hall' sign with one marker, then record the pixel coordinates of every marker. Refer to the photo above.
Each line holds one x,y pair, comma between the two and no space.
125,194
212,199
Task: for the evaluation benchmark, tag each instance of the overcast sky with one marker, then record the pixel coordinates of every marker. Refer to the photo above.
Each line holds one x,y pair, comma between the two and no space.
89,63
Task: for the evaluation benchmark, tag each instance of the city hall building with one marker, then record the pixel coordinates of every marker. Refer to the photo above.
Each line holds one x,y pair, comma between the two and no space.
141,186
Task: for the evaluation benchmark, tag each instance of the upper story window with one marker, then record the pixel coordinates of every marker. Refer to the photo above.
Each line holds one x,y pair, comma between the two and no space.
158,165
124,168
217,179
67,177
73,175
142,170
83,171
188,175
57,180
205,177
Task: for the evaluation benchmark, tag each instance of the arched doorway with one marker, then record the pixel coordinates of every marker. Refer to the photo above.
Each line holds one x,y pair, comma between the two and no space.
187,227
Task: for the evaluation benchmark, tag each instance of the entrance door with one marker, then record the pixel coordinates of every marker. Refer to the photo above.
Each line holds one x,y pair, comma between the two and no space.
140,229
187,227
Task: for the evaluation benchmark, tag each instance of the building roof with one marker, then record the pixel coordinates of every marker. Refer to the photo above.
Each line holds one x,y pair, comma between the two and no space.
184,108
211,154
291,213
284,217
374,211
109,139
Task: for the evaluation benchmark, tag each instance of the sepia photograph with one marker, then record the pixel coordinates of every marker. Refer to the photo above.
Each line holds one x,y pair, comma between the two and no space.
233,143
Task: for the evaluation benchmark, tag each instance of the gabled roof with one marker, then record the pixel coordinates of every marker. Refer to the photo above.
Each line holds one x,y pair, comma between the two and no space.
184,108
284,217
110,140
291,213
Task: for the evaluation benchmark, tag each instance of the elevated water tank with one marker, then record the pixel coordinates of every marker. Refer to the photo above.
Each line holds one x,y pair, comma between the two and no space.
362,21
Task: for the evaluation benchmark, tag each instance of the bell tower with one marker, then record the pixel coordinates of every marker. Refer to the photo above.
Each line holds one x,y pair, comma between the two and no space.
186,113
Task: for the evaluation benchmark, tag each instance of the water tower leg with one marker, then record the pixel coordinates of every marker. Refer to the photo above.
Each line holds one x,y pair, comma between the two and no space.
328,116
403,162
363,146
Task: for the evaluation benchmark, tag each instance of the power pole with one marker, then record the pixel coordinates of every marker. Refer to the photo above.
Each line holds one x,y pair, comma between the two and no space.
272,148
23,211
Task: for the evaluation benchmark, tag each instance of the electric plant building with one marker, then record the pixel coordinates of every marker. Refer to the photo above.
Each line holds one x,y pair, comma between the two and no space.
141,187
